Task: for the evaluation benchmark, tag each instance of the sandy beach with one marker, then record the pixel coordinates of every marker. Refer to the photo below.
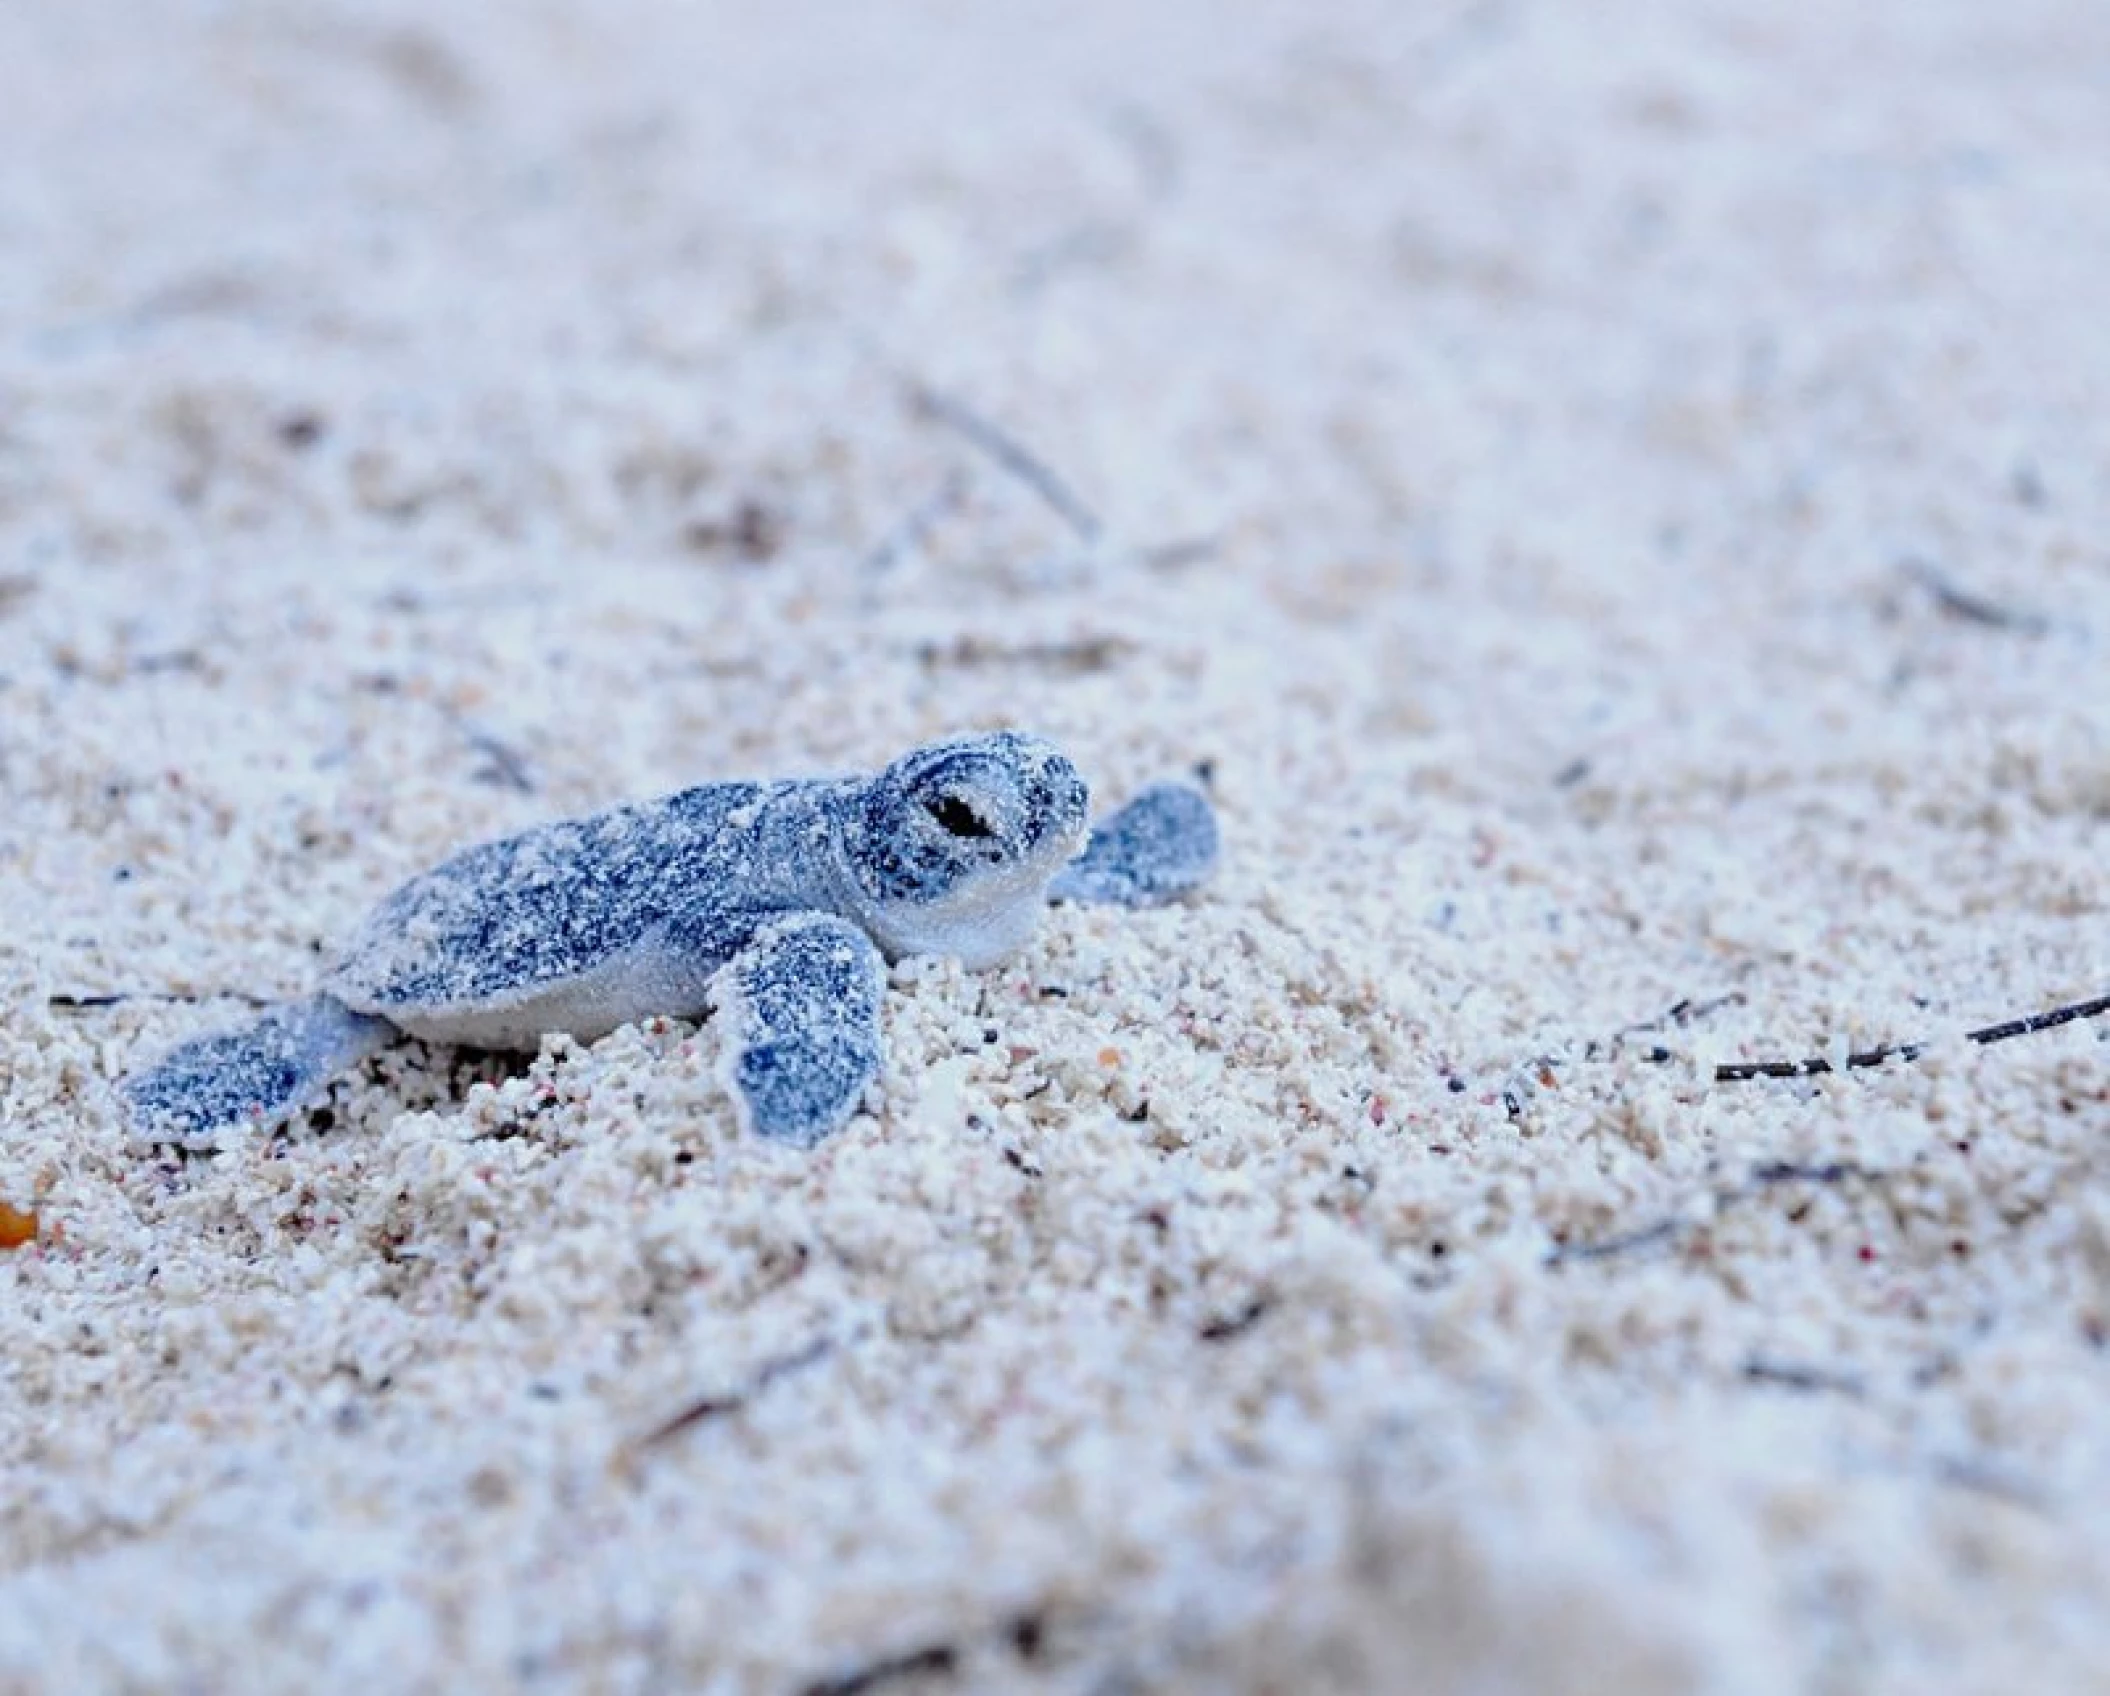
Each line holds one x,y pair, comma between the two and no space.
1613,501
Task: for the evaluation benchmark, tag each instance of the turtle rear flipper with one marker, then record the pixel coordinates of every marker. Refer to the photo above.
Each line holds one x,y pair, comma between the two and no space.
257,1076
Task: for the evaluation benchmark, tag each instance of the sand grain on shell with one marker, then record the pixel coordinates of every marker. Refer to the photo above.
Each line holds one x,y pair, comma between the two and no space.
1554,475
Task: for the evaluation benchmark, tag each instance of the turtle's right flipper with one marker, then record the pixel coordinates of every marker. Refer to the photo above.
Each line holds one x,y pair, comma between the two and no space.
258,1076
802,1001
1157,848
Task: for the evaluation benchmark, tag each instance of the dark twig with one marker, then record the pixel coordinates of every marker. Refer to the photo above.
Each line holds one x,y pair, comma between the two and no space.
79,1003
1793,1172
2031,1023
1010,455
1666,1231
1516,1096
932,1658
1739,1071
1235,1324
1080,656
1607,1248
1541,1070
506,768
1024,1634
1677,1016
1742,1071
1794,1375
1175,556
713,1407
1971,607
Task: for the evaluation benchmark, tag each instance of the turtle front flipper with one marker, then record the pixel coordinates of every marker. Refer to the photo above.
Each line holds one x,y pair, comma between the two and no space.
801,1002
257,1076
1155,849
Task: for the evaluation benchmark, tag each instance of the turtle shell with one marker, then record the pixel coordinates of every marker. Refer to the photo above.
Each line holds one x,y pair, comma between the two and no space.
511,921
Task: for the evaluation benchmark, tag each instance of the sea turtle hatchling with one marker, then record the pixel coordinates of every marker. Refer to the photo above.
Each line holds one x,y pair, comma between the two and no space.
771,904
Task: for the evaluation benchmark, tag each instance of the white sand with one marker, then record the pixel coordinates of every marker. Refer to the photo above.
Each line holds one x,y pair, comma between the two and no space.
1551,397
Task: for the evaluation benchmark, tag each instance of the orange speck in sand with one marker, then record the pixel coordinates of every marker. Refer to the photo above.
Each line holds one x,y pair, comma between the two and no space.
16,1227
1109,1057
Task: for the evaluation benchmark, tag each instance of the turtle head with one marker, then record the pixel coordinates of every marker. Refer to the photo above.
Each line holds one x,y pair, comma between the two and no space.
950,849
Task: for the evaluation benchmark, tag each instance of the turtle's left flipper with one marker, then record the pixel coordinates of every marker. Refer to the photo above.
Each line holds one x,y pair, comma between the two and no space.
801,1003
256,1076
1155,849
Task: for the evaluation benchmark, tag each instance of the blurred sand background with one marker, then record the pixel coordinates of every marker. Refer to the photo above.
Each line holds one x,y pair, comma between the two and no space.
1618,498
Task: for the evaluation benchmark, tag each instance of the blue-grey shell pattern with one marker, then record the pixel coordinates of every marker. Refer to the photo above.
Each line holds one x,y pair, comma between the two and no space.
584,925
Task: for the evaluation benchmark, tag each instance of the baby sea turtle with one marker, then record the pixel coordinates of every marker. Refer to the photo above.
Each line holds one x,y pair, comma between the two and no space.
773,905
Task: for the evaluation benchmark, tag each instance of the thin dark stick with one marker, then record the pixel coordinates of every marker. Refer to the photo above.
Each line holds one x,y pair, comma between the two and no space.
1666,1231
1172,556
712,1407
1024,1634
1795,1375
1740,1071
1795,1172
932,1658
507,768
1970,607
1011,455
78,1003
1235,1324
2034,1022
1680,1015
1648,1236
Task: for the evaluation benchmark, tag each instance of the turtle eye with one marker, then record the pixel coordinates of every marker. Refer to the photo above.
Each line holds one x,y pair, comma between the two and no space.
956,817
